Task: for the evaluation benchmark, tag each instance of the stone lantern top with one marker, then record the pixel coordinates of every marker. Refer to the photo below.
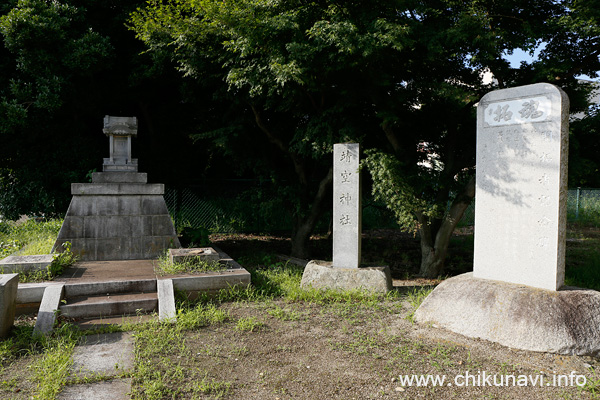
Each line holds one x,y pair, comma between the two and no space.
120,130
120,126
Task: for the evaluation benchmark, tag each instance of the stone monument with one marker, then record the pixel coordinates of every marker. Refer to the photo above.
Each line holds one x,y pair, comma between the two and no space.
521,186
347,215
344,272
119,216
513,297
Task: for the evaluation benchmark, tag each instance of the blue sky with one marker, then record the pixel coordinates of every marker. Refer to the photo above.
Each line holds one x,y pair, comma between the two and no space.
520,55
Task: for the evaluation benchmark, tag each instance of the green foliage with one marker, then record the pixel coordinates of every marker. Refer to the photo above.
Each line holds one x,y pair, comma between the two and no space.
53,356
196,237
216,389
50,57
282,280
156,376
35,31
392,187
308,75
284,314
62,260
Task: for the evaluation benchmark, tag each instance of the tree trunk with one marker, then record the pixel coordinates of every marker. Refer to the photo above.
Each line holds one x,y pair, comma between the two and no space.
304,226
434,242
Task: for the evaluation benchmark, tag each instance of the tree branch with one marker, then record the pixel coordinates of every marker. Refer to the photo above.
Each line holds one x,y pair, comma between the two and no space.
299,166
391,135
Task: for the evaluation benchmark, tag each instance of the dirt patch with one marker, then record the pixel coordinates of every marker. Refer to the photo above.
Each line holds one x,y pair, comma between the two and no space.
344,351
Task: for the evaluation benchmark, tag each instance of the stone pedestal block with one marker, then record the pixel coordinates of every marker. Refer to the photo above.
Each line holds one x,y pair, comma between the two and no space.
322,275
111,219
518,316
12,264
8,302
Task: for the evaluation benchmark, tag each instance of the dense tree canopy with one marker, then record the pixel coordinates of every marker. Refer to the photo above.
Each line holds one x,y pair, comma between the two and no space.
268,86
63,66
401,77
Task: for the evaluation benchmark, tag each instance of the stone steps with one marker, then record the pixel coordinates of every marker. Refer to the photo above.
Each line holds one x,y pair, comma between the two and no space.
109,298
106,287
109,305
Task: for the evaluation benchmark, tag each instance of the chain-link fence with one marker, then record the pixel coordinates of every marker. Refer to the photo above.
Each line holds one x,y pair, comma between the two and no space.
250,206
583,205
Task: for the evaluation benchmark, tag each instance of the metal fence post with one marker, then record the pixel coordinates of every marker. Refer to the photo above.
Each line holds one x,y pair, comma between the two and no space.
577,204
178,215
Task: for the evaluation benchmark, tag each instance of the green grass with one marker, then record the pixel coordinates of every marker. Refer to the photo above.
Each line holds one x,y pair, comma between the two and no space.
589,211
415,298
586,272
28,238
51,355
281,280
157,375
191,265
34,238
249,324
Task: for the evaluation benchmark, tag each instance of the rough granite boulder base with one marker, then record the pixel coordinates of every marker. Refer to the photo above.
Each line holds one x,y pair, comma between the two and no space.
8,301
522,317
322,275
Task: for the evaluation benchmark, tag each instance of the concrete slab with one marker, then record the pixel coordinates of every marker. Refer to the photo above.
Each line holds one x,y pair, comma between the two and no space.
112,304
212,282
12,264
100,323
108,354
140,285
48,309
191,254
103,271
166,300
33,292
117,389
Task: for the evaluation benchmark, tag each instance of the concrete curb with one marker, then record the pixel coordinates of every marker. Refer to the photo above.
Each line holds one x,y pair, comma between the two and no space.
166,301
48,309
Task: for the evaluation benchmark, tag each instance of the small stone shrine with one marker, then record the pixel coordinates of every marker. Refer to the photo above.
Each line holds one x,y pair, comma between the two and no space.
515,295
344,272
119,216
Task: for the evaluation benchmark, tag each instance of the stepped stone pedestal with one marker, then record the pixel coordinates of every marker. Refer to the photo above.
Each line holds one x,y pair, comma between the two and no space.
119,216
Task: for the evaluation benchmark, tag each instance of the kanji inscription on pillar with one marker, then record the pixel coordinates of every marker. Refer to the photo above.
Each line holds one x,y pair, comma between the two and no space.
346,206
